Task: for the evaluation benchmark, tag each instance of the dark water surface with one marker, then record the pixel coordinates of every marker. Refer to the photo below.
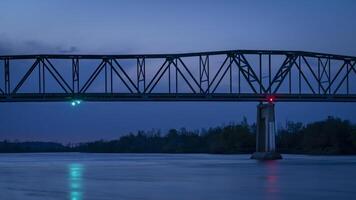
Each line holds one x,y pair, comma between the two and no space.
77,176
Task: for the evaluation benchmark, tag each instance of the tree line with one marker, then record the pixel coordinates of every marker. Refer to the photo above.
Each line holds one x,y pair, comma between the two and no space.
331,136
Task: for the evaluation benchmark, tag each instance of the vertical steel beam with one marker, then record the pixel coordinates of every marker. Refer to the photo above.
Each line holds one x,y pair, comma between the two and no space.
41,77
176,73
269,72
7,76
329,76
347,79
204,73
260,56
300,75
169,76
239,63
230,74
290,80
75,75
111,76
106,74
319,83
141,74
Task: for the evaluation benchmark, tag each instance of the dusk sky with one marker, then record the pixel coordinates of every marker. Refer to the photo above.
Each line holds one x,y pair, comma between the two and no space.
130,27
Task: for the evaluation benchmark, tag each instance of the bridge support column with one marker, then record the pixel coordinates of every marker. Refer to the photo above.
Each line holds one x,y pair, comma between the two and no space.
266,133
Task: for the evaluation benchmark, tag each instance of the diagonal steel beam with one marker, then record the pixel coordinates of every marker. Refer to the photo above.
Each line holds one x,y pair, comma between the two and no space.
352,67
314,75
157,77
185,78
216,75
125,75
92,77
335,77
251,74
222,76
190,74
282,72
24,78
121,78
304,77
57,76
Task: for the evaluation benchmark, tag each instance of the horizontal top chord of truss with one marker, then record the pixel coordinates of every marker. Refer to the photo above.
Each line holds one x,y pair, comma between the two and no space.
130,56
236,75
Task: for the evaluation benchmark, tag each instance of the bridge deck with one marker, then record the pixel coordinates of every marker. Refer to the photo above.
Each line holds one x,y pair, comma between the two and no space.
58,97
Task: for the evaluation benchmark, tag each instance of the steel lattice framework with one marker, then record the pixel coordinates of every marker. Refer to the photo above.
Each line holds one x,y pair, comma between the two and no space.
236,75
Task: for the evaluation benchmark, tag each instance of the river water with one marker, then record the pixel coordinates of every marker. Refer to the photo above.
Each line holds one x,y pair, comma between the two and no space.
80,176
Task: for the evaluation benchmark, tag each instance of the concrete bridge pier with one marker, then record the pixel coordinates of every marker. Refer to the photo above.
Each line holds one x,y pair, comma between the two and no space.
266,133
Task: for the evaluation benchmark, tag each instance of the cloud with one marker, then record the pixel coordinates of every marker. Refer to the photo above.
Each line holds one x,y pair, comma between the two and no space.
71,49
9,46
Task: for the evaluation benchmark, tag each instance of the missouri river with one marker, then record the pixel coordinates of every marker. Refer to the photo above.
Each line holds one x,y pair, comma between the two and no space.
81,176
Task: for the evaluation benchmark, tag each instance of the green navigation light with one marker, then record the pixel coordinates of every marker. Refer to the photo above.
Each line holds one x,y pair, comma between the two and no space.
76,102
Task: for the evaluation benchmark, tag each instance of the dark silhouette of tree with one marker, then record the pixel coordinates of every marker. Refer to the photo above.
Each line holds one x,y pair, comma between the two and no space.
330,136
229,139
21,147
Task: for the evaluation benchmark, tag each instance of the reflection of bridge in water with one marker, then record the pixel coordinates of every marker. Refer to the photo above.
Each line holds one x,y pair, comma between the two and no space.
239,75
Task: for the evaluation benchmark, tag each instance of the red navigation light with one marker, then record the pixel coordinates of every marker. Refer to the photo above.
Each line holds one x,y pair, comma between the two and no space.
271,99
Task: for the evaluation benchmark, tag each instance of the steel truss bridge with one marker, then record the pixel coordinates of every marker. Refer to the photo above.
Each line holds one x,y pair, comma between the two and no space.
236,75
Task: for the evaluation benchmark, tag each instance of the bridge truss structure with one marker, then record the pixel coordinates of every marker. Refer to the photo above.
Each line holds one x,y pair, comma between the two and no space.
236,75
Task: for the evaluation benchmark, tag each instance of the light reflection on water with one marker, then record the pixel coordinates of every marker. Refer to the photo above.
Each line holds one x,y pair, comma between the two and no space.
75,181
272,178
